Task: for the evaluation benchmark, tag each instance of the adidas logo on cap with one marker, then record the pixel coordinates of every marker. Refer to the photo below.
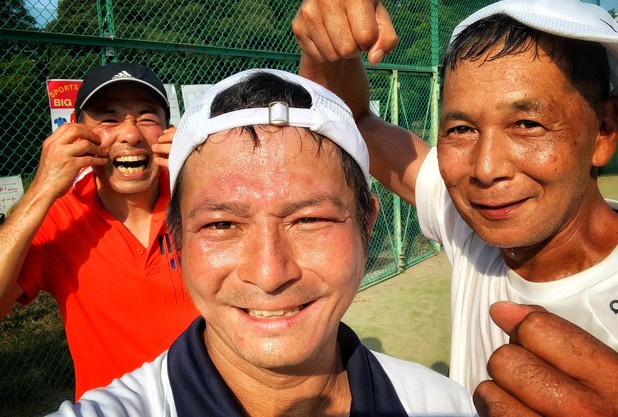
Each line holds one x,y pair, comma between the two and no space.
122,74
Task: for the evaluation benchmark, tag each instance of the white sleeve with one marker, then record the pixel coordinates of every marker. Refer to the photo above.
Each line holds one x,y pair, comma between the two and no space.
425,392
437,216
143,392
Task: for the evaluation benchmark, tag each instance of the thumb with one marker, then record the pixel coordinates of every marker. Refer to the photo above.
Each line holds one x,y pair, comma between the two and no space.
387,37
507,315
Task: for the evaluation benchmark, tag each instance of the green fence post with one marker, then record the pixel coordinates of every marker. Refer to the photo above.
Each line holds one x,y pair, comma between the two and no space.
107,29
396,200
435,89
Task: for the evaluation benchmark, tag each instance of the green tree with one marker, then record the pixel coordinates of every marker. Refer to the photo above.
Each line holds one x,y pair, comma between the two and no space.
14,15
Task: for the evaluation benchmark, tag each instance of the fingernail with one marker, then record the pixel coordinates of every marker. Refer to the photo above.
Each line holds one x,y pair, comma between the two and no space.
377,56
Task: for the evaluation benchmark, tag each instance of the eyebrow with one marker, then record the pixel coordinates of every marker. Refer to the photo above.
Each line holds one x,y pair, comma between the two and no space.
525,105
454,115
518,105
243,209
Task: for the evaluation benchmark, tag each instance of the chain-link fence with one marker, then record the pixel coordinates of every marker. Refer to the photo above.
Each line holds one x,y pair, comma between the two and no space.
189,42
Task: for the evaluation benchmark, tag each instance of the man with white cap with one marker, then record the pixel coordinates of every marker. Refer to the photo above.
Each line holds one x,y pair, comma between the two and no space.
90,229
528,115
272,210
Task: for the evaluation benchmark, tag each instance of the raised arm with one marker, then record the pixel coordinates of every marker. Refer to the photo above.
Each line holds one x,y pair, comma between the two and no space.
332,35
69,149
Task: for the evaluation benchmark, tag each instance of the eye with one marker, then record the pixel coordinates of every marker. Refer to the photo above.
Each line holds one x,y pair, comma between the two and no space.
219,225
526,124
149,121
309,220
460,130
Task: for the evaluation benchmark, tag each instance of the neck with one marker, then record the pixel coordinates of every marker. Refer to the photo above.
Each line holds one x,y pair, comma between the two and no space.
322,391
583,243
133,210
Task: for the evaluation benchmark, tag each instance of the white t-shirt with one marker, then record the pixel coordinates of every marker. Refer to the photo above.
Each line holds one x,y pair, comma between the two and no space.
480,277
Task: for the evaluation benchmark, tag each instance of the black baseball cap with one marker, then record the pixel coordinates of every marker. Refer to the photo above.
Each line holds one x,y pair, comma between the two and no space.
99,77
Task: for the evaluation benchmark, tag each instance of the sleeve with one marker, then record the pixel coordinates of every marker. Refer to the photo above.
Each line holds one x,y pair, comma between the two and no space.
423,391
436,214
143,392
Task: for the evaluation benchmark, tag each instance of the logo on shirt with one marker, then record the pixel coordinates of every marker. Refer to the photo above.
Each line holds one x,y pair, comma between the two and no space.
613,305
166,247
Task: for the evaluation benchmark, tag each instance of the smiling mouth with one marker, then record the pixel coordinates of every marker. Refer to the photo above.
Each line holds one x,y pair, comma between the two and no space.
274,313
497,206
131,164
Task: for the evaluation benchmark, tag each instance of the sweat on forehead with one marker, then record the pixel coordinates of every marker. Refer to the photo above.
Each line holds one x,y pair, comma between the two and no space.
267,97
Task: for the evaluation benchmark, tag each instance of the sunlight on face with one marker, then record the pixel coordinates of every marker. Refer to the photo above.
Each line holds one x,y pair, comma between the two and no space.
272,254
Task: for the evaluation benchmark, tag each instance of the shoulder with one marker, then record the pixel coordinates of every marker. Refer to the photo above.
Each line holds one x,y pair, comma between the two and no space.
421,389
143,392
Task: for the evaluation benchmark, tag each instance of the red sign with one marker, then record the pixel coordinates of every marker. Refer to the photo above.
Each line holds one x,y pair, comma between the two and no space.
62,94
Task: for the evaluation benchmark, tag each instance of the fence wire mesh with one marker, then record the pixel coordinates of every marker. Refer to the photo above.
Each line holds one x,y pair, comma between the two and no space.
188,42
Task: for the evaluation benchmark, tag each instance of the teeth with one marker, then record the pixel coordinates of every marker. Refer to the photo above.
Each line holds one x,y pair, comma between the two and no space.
274,313
131,158
129,170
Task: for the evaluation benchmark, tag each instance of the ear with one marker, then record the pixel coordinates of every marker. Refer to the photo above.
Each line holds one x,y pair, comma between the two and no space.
606,140
374,213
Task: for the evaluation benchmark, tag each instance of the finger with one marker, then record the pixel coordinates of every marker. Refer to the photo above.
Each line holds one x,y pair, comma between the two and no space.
84,147
387,37
311,32
161,153
561,344
491,400
540,386
507,315
167,136
161,161
69,132
567,347
358,32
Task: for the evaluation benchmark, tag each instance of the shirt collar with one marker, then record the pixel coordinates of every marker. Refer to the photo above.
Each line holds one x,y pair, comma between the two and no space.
198,388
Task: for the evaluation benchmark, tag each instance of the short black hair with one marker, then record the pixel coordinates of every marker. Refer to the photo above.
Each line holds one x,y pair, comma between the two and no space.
258,91
584,63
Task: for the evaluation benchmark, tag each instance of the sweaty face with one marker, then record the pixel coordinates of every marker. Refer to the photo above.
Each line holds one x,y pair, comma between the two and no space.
128,119
515,148
272,254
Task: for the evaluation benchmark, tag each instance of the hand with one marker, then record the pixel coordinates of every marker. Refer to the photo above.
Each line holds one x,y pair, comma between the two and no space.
162,148
329,30
69,149
550,367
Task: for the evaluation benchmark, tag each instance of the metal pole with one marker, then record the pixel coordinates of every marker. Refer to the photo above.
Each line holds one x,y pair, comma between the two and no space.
396,199
107,29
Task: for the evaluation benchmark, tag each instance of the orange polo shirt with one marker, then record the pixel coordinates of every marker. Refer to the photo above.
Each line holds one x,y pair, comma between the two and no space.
122,304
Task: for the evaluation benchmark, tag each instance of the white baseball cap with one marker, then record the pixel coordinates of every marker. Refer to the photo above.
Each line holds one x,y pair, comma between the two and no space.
567,18
328,116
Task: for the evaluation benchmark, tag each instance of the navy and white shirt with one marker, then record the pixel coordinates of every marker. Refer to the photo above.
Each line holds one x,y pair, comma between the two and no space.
183,382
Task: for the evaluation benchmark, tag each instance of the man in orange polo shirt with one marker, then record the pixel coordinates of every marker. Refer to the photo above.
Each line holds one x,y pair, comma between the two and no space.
90,229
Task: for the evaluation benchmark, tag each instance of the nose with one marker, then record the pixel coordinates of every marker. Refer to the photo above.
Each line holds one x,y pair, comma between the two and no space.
491,159
129,132
269,261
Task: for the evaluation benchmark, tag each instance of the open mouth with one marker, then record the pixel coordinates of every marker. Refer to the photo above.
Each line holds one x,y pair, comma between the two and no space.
131,164
275,313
